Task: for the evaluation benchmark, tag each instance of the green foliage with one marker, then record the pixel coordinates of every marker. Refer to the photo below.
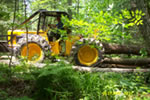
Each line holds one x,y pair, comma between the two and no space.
108,20
51,5
21,98
143,52
7,8
60,81
17,80
3,95
105,26
4,74
4,18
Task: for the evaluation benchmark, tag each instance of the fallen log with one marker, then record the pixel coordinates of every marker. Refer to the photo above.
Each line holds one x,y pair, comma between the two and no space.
121,70
122,49
4,46
121,66
127,61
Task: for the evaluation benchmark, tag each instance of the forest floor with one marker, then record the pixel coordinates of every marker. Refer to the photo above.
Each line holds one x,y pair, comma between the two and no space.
27,81
108,67
6,60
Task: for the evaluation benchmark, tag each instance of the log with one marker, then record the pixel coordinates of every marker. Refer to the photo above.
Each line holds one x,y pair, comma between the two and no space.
121,70
127,61
120,66
129,66
4,46
122,49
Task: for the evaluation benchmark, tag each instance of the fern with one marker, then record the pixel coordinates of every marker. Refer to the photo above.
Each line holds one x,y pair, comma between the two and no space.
59,81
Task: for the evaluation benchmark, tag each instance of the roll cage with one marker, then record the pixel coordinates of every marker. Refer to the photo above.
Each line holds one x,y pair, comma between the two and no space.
42,14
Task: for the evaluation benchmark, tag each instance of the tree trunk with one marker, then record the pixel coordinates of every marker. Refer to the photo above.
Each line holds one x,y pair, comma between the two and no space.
121,70
69,10
122,49
127,61
103,65
145,28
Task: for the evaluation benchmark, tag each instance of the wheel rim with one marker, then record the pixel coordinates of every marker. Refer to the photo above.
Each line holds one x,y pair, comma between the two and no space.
87,55
35,52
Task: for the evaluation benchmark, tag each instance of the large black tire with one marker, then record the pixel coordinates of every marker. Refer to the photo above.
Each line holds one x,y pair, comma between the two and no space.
91,42
34,39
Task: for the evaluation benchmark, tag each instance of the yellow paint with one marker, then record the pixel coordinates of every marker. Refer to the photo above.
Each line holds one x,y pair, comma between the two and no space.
19,32
87,55
55,47
33,53
68,47
73,39
96,33
69,43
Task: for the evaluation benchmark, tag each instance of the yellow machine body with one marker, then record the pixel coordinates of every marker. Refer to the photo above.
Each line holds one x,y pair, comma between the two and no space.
55,45
86,55
20,32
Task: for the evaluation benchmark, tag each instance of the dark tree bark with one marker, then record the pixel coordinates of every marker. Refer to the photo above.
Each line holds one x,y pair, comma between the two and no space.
122,49
14,19
103,65
127,61
69,10
78,7
26,25
145,28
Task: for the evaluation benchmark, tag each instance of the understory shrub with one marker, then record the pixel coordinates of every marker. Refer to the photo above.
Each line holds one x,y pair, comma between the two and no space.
58,81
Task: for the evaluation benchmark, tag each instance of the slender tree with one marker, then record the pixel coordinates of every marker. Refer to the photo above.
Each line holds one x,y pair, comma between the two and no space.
14,18
25,13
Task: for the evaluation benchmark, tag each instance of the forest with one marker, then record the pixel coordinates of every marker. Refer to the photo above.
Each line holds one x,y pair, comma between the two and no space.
74,49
